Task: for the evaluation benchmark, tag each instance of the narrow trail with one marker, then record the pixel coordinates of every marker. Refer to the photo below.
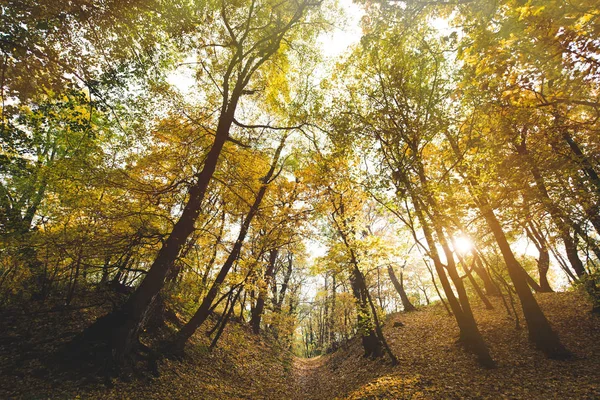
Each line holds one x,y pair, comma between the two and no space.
308,373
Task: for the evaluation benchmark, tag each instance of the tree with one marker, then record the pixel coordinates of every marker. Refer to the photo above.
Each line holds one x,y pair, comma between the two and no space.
400,289
239,49
401,108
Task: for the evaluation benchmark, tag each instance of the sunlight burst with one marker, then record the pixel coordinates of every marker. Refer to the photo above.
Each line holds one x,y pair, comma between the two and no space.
463,244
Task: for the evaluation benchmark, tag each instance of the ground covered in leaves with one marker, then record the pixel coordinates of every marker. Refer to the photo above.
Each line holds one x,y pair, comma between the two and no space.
243,366
246,366
433,366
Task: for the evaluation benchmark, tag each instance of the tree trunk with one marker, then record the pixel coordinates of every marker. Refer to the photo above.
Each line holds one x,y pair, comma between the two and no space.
262,292
120,329
71,290
558,218
530,281
490,288
181,337
332,341
469,274
284,286
406,304
213,257
540,331
591,206
582,160
469,332
437,289
361,293
543,261
370,341
225,319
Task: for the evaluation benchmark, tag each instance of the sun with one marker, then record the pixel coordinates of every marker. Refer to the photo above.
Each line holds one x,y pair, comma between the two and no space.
462,244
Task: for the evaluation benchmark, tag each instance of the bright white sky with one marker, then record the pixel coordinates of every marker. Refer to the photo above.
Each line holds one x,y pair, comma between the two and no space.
347,30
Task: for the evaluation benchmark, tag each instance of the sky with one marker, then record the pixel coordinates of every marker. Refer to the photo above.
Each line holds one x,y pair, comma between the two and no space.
347,30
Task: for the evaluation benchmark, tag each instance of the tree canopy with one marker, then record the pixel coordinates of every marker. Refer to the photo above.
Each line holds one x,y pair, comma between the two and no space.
202,163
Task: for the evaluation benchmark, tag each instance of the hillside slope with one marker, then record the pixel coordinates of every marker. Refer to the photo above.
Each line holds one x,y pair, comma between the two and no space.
433,366
243,366
246,366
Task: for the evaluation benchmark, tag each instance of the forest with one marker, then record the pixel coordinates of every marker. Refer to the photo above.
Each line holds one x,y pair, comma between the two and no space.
300,199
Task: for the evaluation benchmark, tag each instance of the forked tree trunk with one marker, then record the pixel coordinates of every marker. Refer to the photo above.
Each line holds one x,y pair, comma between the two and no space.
530,281
540,331
399,285
120,329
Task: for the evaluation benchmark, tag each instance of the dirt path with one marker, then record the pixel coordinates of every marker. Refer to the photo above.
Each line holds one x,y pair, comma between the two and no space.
308,373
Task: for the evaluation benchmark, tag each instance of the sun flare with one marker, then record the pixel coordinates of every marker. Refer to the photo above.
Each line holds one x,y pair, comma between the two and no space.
463,244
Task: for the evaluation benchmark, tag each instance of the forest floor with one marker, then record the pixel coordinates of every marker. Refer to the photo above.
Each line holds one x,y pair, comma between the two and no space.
246,366
242,366
433,366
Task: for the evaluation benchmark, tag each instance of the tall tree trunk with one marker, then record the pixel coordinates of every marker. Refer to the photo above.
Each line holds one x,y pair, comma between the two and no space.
469,274
286,281
332,341
406,304
213,256
226,316
120,329
73,284
582,160
242,307
325,319
372,340
490,288
540,331
469,332
591,206
543,262
371,343
437,289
